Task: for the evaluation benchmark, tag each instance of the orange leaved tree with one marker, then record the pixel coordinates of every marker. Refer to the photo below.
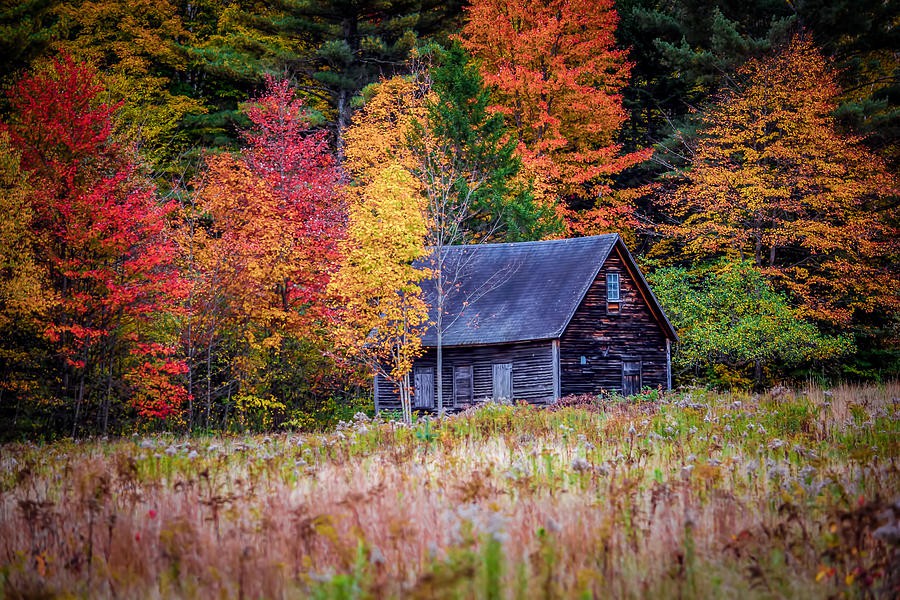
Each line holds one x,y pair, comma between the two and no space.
261,248
557,74
774,181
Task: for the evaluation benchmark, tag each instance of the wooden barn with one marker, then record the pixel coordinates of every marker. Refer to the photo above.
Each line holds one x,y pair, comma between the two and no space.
537,321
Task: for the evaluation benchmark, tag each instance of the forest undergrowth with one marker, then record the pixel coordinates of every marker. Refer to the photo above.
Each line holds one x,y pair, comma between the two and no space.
692,495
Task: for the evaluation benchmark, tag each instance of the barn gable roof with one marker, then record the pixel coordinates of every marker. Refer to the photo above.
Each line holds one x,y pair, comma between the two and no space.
516,292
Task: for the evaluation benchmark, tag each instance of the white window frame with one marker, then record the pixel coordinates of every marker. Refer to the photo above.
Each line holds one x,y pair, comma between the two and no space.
610,277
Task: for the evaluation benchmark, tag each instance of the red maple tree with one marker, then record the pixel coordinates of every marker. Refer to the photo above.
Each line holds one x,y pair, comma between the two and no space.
298,167
263,247
102,238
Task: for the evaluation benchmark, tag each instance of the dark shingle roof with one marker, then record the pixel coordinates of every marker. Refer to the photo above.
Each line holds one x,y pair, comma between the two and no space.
516,291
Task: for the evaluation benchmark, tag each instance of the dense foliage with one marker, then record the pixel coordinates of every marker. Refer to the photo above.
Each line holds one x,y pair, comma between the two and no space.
95,240
182,182
734,327
772,180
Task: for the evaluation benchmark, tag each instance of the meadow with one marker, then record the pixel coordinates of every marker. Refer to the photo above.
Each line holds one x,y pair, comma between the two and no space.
685,495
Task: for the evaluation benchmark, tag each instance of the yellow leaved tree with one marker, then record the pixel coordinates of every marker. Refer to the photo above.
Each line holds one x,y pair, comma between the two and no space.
383,315
378,136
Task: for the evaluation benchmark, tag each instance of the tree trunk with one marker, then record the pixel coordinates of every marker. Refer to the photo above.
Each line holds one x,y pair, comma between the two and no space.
439,330
406,399
343,110
190,376
208,380
106,400
78,399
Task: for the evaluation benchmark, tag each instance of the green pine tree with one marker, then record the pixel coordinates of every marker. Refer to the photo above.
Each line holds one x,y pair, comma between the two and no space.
468,160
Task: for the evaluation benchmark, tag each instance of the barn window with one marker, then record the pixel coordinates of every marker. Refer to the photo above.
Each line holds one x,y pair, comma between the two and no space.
462,384
612,293
612,287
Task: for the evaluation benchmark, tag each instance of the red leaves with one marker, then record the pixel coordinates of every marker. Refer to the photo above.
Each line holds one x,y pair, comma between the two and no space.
100,235
61,127
276,215
299,168
155,395
261,266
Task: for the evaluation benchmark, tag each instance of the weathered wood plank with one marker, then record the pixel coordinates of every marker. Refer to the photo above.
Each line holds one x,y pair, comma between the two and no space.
606,339
532,372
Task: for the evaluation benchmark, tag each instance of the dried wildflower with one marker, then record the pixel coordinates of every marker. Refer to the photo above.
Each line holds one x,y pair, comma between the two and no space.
495,526
808,472
580,465
778,472
551,525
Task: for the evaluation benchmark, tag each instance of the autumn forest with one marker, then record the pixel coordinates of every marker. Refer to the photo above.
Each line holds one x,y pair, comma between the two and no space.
211,211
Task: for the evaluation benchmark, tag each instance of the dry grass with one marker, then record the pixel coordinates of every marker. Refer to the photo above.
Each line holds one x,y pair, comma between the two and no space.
696,495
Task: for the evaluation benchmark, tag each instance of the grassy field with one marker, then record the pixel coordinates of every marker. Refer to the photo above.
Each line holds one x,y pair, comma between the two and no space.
694,495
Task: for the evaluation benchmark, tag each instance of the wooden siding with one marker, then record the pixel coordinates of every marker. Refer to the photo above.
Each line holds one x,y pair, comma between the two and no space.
532,373
606,339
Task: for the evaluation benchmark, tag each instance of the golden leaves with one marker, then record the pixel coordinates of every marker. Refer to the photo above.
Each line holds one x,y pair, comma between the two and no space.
383,313
378,134
773,179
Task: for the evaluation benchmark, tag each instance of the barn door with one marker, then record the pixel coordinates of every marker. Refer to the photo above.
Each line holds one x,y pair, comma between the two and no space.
503,381
631,377
462,385
424,388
